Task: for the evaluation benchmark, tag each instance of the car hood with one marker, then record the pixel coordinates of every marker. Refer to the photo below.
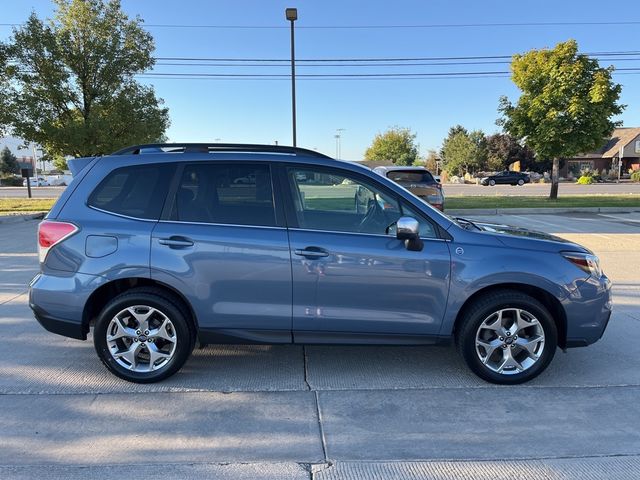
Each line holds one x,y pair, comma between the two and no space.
520,232
517,237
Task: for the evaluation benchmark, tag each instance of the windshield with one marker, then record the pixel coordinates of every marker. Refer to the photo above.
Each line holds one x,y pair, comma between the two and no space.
415,176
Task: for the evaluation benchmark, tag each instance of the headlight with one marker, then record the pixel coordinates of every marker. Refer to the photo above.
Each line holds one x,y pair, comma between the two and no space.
585,261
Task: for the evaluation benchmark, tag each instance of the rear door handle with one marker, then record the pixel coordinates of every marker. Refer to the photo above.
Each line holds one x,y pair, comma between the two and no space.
176,242
312,252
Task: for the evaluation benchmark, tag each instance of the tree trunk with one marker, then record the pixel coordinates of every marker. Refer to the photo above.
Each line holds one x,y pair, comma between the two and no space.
553,195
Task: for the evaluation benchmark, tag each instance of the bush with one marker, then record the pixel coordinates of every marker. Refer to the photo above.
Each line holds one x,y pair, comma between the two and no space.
11,181
585,180
635,176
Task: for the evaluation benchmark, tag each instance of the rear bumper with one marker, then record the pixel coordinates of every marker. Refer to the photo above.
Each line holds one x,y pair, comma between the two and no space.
66,328
58,301
588,311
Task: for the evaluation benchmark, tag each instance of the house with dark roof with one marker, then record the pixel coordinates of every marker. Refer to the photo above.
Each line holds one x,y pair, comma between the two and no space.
624,145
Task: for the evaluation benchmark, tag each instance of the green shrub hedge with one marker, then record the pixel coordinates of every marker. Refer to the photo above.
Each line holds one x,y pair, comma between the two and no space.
585,180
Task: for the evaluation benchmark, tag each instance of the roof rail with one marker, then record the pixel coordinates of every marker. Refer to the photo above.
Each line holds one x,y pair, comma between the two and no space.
219,147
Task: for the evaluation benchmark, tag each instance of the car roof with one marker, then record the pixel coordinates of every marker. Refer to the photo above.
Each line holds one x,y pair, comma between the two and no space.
190,152
391,168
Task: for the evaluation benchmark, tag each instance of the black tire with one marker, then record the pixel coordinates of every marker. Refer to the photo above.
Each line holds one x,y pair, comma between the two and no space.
492,183
520,182
481,309
168,304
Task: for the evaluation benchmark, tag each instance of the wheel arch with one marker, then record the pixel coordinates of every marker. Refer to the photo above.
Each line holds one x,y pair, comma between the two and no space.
547,299
101,296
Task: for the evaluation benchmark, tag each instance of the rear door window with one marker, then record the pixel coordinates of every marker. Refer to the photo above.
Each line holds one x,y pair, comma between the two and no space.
137,191
232,194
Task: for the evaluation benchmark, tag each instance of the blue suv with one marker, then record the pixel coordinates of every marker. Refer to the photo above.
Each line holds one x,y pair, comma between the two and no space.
157,247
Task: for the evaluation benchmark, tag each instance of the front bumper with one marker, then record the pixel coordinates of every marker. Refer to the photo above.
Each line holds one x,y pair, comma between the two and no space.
588,311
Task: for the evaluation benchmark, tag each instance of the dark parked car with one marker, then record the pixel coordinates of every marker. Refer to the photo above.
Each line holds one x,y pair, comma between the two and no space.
506,178
157,251
418,180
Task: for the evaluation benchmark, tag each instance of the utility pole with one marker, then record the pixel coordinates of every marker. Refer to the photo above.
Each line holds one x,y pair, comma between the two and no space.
338,137
292,16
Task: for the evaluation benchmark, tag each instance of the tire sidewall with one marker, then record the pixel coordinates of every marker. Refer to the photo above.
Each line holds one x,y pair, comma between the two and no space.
183,334
468,347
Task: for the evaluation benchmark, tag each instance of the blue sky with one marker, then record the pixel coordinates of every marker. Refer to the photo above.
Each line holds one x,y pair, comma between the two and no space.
259,111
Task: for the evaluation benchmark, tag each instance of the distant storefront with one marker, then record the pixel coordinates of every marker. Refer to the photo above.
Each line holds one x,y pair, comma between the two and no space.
623,146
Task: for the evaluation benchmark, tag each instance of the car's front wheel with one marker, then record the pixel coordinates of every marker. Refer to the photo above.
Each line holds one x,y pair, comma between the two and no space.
507,337
142,336
520,182
492,183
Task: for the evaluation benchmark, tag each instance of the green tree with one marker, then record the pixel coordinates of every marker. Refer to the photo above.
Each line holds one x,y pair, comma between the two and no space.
566,106
74,88
8,162
397,145
503,150
462,151
5,90
431,161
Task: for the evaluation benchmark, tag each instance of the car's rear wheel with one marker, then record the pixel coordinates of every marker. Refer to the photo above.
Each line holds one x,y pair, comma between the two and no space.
520,182
142,336
492,183
507,337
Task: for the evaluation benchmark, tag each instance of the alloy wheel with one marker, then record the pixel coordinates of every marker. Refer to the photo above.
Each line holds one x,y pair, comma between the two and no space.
510,341
141,338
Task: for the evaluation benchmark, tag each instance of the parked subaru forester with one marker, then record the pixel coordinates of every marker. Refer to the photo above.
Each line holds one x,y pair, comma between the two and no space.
157,247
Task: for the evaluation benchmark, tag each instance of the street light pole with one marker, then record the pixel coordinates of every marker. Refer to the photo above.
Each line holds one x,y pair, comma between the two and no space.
292,16
339,142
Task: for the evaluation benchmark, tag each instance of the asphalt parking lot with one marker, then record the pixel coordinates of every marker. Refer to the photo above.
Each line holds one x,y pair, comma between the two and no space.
324,412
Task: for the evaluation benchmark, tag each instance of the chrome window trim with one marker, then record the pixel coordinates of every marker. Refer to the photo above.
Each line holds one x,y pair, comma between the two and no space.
298,229
122,215
222,224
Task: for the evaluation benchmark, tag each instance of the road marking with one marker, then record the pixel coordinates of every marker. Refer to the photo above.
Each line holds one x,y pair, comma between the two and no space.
615,217
560,227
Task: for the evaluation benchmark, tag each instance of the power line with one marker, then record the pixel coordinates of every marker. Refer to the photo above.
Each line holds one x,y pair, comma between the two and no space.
406,64
477,74
381,27
376,59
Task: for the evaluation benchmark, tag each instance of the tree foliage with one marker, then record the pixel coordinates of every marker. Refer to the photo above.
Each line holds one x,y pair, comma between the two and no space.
566,105
74,88
431,161
5,91
463,151
503,150
8,162
397,145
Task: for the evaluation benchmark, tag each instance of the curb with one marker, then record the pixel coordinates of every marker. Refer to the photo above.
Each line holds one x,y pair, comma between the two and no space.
539,211
21,218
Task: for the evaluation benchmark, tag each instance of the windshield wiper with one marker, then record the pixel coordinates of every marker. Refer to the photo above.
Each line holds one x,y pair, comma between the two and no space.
467,222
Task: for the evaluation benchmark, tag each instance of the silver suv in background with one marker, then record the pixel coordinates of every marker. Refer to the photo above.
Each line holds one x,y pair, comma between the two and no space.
418,180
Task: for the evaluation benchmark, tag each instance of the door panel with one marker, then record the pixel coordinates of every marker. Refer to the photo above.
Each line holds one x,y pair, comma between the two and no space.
234,277
368,284
350,273
224,247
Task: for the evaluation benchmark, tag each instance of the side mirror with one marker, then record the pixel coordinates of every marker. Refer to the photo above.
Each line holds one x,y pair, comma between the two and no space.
408,230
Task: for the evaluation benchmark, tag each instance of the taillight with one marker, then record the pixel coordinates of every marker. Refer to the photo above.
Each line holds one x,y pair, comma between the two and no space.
50,233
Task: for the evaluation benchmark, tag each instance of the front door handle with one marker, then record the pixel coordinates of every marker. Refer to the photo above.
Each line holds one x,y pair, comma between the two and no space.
312,252
176,242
